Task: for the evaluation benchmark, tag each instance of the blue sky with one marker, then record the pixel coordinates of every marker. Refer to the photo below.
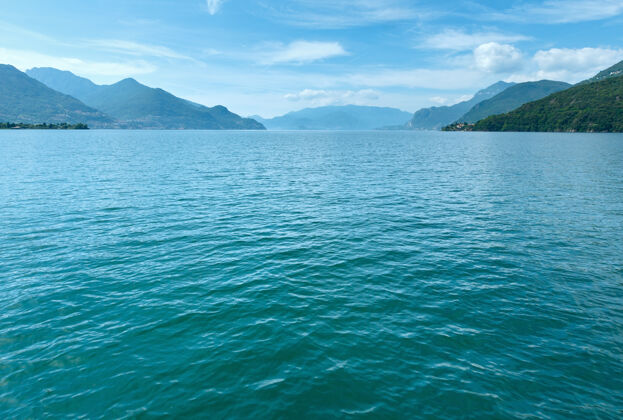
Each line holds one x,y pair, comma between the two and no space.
268,57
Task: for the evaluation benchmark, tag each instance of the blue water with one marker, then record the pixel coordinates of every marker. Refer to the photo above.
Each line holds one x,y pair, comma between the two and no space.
311,275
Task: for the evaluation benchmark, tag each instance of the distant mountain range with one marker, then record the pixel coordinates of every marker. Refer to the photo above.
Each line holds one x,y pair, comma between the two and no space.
47,95
348,117
26,100
512,98
592,106
134,105
437,117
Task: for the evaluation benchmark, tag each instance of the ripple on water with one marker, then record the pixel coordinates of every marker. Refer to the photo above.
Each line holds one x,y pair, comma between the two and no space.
321,275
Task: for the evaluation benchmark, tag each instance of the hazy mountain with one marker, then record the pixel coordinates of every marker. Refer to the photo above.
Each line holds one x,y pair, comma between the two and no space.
64,81
437,117
512,98
24,99
588,107
138,106
347,117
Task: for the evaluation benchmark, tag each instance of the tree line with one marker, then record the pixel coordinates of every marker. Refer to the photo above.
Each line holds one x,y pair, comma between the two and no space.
43,126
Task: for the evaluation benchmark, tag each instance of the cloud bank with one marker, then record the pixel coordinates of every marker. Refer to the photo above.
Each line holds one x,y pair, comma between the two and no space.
497,58
459,40
573,65
135,48
300,52
334,97
100,70
562,11
336,14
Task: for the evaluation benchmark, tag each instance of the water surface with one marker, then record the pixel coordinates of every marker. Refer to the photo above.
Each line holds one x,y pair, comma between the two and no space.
311,275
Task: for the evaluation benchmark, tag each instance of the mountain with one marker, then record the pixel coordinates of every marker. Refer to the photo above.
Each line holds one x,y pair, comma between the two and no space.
347,117
614,71
138,106
64,81
437,117
512,98
26,100
589,107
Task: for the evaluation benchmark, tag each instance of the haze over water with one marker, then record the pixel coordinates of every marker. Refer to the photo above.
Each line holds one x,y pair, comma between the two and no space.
311,274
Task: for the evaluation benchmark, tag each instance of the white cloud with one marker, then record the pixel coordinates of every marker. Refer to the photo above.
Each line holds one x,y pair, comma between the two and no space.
135,49
345,13
334,97
307,94
301,52
459,40
214,6
101,70
584,59
569,65
497,58
439,100
562,11
442,79
442,100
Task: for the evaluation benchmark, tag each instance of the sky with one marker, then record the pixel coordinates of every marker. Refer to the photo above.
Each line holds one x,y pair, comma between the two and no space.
266,57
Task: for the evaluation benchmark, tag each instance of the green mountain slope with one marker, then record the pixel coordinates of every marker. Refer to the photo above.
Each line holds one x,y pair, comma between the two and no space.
512,98
26,100
614,71
437,117
348,117
592,107
138,106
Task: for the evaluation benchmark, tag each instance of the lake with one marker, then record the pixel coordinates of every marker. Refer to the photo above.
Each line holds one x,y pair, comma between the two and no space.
310,275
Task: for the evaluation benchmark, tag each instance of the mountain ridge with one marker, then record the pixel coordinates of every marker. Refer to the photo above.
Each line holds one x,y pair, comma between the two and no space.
26,100
338,117
435,118
512,98
587,107
135,105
